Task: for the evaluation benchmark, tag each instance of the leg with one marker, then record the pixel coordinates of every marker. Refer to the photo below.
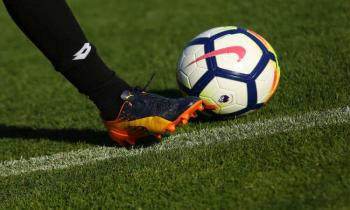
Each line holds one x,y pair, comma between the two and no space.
51,26
129,114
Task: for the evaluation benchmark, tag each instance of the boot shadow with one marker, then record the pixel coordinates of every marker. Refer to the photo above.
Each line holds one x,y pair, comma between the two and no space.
89,136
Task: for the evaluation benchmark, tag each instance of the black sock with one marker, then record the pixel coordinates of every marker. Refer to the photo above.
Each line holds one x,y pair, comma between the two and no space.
51,26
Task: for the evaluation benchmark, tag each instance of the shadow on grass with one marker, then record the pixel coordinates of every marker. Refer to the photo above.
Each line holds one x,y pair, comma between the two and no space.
63,135
88,136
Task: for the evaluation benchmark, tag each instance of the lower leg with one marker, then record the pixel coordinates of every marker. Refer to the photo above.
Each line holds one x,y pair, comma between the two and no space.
51,26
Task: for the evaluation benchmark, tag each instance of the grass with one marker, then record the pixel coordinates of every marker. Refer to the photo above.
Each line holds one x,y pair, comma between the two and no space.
271,173
42,114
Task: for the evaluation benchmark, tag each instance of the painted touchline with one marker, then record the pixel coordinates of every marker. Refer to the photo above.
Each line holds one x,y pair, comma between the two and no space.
184,140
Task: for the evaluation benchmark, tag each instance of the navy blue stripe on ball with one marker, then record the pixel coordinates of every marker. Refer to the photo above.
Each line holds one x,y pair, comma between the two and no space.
207,76
198,41
267,55
224,33
231,75
257,41
209,47
257,106
260,66
252,93
272,56
201,83
261,45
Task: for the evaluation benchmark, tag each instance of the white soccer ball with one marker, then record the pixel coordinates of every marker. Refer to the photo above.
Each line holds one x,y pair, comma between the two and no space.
233,70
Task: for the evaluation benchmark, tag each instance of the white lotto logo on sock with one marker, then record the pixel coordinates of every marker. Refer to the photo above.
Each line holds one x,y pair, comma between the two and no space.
83,52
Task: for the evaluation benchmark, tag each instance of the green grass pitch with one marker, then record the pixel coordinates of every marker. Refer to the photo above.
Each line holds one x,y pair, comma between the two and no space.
41,114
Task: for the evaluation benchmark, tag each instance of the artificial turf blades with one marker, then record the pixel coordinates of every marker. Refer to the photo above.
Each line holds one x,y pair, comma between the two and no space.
42,114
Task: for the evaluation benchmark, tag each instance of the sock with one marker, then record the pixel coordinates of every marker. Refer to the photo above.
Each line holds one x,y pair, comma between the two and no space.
51,26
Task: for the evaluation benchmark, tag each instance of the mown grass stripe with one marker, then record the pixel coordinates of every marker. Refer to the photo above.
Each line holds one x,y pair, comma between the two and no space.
183,140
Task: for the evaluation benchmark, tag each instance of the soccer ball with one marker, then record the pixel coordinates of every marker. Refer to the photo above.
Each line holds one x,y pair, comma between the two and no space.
233,70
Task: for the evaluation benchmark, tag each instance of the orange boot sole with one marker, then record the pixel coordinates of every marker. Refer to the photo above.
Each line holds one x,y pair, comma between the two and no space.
130,137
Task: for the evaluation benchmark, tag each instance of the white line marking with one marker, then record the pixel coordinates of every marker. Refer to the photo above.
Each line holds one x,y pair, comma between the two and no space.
205,136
